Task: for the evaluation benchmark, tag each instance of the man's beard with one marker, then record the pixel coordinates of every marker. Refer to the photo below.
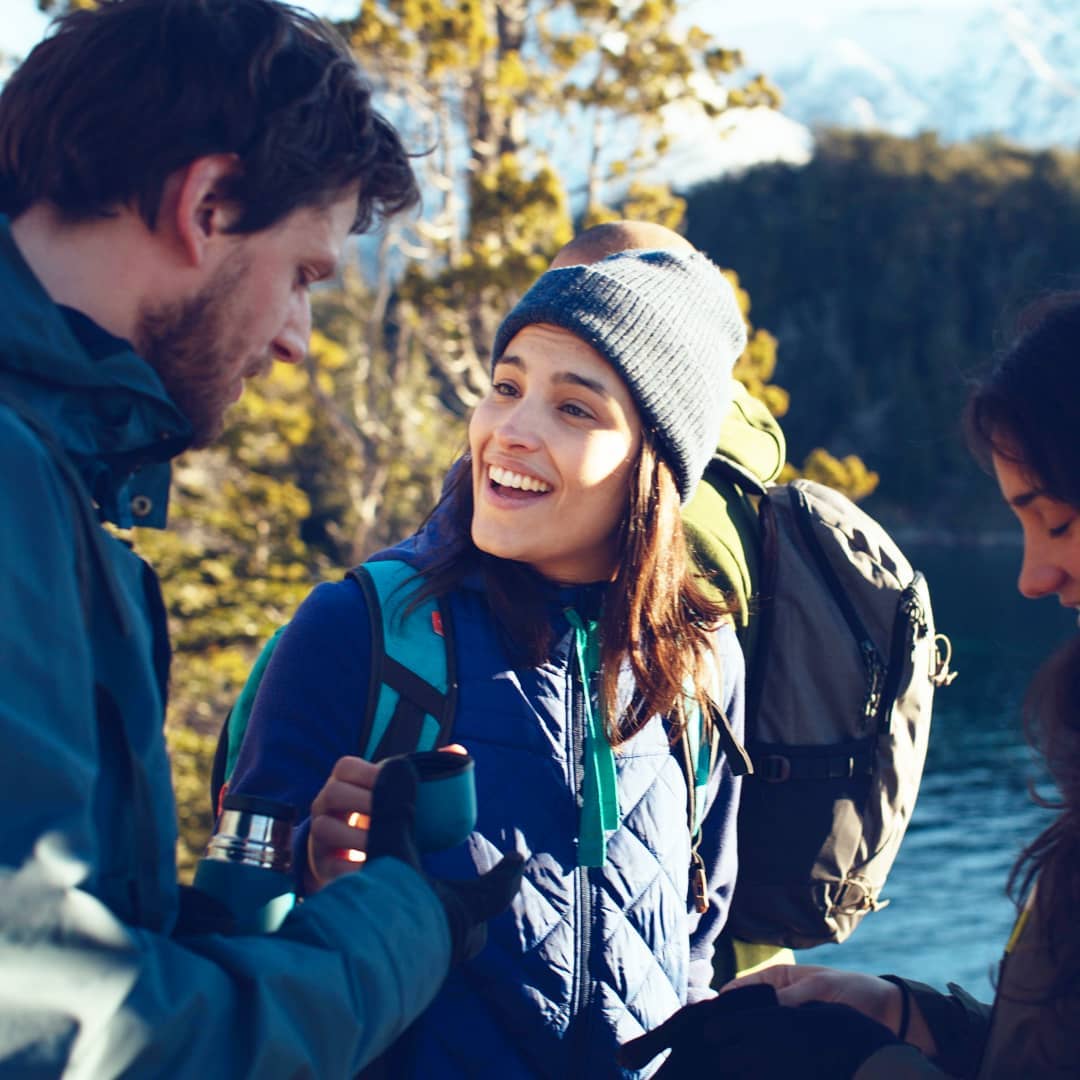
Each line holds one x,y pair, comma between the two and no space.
187,343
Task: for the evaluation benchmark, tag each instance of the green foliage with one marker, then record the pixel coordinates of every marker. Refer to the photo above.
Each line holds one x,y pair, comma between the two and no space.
847,474
487,85
192,754
325,463
889,270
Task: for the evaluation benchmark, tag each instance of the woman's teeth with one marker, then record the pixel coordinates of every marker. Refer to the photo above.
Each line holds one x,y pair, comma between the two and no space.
506,478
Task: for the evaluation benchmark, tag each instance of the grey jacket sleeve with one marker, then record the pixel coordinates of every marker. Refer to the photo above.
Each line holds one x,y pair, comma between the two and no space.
959,1025
898,1062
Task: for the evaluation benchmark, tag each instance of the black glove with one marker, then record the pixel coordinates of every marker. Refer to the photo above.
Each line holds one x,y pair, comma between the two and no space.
746,1033
468,904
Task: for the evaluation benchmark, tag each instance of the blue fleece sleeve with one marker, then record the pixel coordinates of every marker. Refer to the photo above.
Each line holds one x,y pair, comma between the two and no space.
719,847
310,704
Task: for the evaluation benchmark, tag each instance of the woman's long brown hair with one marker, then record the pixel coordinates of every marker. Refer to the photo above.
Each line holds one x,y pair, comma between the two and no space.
1052,726
658,614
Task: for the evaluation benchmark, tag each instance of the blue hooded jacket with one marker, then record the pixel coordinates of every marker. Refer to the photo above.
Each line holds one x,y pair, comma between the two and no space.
92,982
587,958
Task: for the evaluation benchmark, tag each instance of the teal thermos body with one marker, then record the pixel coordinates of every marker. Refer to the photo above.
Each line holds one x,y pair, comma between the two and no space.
248,862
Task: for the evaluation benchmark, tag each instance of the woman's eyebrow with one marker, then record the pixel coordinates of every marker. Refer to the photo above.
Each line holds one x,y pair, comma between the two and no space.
573,377
581,380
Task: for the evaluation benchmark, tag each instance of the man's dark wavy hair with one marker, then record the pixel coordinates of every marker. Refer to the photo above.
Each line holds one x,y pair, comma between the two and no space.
115,100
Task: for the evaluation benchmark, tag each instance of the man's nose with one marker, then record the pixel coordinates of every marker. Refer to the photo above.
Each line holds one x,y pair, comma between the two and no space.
291,343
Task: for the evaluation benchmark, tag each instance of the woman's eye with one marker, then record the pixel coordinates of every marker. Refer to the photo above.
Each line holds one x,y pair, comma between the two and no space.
1060,530
575,410
504,389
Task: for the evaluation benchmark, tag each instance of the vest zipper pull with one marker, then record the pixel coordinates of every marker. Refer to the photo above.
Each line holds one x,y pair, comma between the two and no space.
700,883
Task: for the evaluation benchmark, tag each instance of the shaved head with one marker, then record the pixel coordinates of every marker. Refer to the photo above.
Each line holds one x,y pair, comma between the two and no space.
613,236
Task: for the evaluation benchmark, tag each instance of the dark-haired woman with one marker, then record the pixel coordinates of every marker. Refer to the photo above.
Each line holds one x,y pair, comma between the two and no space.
1023,421
582,638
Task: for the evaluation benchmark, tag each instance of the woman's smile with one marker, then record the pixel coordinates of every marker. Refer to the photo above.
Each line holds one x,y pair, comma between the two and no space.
508,483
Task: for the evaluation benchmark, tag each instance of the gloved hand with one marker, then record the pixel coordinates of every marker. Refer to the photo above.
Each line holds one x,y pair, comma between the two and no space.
746,1034
468,904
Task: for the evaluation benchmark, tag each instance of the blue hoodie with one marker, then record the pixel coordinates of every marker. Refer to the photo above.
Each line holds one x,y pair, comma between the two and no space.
588,957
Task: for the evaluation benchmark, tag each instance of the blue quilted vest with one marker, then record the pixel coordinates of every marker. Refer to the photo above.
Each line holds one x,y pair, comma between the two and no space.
587,958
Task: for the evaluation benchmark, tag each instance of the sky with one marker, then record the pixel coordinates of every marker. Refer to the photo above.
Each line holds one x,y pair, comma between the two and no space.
21,24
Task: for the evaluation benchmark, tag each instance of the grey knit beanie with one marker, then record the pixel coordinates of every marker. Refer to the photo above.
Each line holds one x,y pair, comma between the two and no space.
669,323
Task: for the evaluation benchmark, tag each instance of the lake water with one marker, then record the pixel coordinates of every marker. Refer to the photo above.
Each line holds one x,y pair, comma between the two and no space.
949,918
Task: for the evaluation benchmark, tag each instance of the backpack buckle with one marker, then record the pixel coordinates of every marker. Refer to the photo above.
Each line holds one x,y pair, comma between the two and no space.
774,768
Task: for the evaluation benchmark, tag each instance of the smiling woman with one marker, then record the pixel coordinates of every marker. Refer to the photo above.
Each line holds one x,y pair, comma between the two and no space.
584,646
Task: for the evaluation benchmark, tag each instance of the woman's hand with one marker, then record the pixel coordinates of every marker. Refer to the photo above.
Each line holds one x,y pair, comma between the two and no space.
746,1034
880,1000
340,820
796,984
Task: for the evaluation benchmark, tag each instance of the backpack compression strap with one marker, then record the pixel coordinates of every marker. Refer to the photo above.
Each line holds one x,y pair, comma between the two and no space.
412,689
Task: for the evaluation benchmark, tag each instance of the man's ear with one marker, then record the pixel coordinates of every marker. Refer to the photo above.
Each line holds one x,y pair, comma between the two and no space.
197,205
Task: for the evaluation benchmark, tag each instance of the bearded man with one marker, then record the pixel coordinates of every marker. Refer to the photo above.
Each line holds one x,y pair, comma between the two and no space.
174,175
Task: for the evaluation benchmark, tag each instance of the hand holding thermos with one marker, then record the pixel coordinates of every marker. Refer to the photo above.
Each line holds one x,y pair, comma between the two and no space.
468,904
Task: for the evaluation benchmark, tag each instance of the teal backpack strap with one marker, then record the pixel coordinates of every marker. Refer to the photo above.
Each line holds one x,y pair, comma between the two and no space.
412,689
412,694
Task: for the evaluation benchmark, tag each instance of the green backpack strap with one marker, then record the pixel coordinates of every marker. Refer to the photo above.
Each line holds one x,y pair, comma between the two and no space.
412,692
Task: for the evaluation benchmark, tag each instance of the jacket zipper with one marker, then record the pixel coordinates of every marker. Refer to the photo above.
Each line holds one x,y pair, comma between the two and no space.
579,997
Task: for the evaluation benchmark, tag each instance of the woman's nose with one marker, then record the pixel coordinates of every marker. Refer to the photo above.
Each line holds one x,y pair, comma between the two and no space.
518,427
1040,575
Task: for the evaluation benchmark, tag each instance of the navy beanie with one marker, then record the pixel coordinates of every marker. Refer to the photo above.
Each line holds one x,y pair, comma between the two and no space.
669,323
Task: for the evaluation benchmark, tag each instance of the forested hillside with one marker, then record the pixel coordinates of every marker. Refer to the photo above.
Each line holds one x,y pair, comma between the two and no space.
889,270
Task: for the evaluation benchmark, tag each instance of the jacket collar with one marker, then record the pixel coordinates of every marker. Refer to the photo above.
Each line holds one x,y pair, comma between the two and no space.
105,404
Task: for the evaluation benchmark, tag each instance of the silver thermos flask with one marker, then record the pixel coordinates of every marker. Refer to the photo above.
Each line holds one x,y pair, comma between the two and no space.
248,862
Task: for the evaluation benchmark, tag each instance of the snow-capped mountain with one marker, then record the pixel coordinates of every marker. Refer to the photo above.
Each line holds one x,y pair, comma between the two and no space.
1010,67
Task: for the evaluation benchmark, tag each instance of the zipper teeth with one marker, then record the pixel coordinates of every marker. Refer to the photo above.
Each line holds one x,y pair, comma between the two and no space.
910,618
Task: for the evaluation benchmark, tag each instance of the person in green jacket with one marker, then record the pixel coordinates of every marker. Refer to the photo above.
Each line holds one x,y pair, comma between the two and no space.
1023,422
174,175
